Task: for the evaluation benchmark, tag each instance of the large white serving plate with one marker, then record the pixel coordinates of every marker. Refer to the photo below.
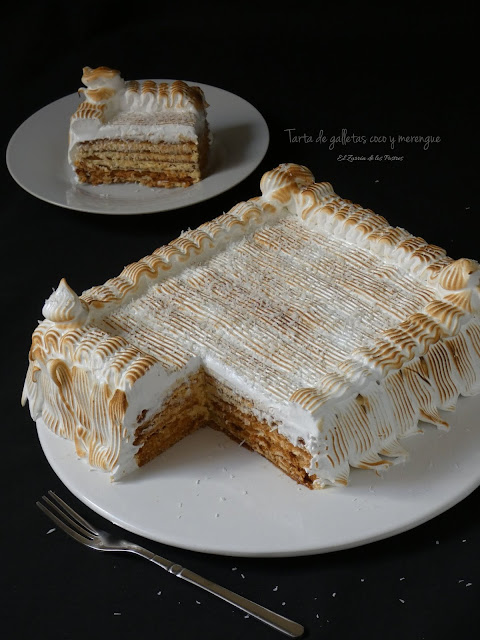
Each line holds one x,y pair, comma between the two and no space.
209,494
37,159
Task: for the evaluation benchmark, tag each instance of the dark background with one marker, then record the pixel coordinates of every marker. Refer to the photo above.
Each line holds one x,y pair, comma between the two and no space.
396,71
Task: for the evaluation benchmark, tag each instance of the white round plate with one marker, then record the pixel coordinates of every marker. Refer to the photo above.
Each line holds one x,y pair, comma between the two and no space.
37,159
209,494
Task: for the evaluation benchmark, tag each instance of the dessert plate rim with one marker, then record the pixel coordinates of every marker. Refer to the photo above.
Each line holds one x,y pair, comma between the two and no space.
36,158
208,494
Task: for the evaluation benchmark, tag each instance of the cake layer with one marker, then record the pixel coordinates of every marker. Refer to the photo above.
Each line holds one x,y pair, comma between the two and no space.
324,333
185,411
148,178
123,161
231,413
141,148
110,161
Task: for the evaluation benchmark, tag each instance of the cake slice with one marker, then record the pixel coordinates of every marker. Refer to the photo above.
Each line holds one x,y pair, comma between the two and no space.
146,132
298,323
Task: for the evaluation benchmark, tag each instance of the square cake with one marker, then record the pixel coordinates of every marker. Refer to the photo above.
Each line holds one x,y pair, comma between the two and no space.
146,132
300,324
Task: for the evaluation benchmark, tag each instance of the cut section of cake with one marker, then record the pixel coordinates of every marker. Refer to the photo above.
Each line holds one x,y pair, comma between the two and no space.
298,323
155,134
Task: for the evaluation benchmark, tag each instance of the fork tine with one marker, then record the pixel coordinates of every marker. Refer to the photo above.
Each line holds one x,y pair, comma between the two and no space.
69,521
73,513
76,536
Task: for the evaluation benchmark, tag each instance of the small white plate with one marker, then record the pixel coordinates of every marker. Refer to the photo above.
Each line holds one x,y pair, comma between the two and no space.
37,159
208,494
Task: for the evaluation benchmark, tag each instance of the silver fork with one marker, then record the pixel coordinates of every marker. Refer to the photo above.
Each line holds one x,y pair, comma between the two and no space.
82,531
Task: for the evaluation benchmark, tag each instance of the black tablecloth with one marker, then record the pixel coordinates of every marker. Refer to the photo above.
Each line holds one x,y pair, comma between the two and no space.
311,71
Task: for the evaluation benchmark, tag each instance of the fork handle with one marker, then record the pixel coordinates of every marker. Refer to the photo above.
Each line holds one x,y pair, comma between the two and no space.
278,622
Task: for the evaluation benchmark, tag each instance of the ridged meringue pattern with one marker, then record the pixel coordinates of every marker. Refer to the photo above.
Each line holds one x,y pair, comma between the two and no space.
339,330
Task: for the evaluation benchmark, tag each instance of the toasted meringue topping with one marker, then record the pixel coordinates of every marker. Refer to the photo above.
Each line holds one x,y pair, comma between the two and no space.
102,94
65,307
461,274
99,77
